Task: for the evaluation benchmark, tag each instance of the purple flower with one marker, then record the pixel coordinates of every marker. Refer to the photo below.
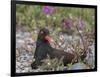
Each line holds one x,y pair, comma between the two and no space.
67,23
48,9
81,24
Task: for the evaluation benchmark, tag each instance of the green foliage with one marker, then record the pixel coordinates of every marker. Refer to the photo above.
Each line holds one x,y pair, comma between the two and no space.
31,16
69,66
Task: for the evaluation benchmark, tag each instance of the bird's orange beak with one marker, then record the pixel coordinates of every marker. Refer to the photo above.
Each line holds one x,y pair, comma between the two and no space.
49,39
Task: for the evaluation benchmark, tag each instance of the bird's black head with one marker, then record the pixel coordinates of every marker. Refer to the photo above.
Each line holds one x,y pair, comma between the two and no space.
44,35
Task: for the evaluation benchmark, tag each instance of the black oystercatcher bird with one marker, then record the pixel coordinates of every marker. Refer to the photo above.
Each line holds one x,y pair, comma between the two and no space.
43,48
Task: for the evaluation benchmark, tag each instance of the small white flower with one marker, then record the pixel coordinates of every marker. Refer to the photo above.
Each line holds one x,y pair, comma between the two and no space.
54,18
49,63
48,16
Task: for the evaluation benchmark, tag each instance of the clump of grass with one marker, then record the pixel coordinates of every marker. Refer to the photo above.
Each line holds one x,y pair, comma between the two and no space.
52,64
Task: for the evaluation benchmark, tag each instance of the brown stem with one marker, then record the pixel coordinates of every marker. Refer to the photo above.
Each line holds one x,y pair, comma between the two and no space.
83,42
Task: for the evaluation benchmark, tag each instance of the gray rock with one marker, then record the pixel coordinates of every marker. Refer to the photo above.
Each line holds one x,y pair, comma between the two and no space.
78,66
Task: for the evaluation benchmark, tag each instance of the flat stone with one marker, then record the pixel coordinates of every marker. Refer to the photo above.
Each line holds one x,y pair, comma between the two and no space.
78,66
